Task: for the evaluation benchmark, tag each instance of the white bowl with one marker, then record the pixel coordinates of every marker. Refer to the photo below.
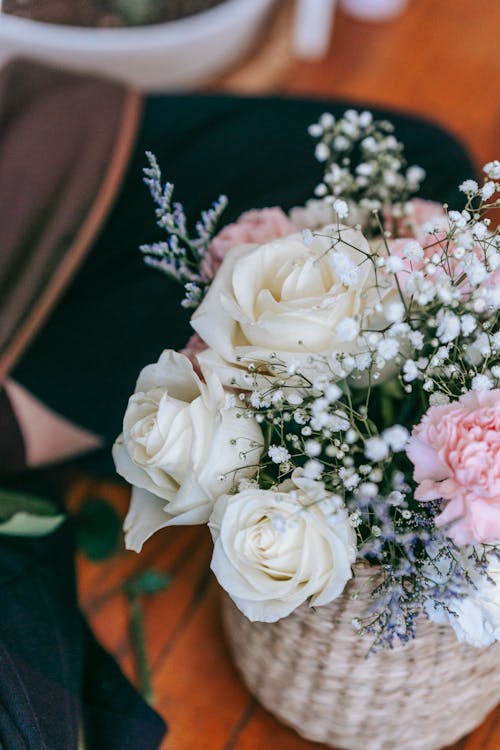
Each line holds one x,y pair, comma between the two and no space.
172,55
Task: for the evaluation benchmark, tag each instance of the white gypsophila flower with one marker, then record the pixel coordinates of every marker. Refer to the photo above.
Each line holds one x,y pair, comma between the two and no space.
492,296
315,130
413,250
322,152
416,339
474,618
415,175
277,397
458,218
492,169
341,208
312,448
274,550
480,230
474,269
363,361
481,383
439,357
447,292
255,399
417,284
376,449
347,329
488,190
320,190
478,349
469,186
345,267
438,399
327,120
388,348
396,437
341,143
313,469
410,371
332,392
365,169
448,326
468,323
337,422
393,264
368,489
394,311
349,477
178,440
493,256
278,454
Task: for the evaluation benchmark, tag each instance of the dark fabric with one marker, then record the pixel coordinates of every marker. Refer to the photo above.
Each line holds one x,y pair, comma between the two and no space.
53,675
57,137
12,451
120,314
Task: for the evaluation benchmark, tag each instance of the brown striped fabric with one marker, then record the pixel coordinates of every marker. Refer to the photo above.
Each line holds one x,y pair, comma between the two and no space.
64,145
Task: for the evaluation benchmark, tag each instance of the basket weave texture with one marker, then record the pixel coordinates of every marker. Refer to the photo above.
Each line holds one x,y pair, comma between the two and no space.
311,670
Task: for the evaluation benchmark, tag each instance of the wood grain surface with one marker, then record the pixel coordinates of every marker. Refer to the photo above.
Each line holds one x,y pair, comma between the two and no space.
440,59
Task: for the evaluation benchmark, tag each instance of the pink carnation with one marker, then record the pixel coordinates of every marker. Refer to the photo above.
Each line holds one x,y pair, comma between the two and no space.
456,453
420,213
194,346
259,225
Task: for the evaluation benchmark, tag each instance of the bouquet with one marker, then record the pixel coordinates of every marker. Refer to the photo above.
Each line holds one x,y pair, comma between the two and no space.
339,402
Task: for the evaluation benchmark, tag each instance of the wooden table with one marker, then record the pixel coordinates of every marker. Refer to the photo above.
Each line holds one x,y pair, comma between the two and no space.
440,59
196,686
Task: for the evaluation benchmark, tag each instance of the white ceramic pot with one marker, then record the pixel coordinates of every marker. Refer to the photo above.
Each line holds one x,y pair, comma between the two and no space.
166,56
374,10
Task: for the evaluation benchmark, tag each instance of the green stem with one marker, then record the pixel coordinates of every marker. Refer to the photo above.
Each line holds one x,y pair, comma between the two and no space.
136,632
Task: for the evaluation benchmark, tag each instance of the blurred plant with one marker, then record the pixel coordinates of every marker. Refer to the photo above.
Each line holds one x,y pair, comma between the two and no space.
23,514
98,529
145,583
135,12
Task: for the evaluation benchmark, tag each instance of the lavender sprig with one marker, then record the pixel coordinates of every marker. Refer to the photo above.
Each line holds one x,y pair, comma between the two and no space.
181,256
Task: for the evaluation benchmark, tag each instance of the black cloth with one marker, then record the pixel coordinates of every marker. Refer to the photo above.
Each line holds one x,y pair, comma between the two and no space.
12,449
118,316
54,676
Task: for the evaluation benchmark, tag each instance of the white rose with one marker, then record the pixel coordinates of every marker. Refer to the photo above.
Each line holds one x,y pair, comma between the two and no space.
178,440
287,298
274,550
475,618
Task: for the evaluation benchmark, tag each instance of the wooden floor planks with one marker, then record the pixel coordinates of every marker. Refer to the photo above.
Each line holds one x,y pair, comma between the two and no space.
441,59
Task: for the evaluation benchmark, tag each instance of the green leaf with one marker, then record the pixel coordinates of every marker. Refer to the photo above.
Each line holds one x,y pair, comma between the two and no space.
12,502
147,582
26,524
98,529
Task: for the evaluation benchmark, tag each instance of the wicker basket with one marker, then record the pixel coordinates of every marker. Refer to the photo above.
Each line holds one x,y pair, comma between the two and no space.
311,671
